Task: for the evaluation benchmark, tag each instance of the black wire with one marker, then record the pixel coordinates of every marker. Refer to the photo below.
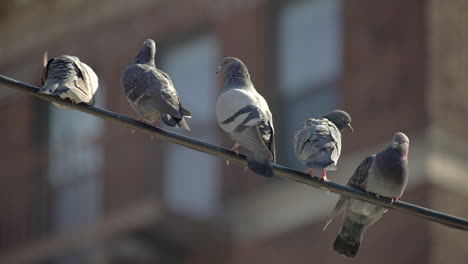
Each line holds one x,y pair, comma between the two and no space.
428,214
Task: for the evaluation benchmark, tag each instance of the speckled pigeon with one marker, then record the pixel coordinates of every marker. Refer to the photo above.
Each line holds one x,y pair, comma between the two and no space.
244,114
317,141
151,92
383,174
68,77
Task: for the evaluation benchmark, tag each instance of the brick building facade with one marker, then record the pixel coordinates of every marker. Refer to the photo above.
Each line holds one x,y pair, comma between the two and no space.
75,189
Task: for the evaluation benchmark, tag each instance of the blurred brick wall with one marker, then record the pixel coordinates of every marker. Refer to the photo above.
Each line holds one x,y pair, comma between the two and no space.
448,80
384,73
384,86
395,238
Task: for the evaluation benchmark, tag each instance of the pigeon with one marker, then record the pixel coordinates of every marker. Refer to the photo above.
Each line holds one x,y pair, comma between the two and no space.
151,92
317,141
383,174
244,115
68,77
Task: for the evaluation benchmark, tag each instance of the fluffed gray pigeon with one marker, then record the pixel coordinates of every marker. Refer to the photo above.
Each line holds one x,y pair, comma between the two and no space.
317,141
244,115
68,77
383,174
151,92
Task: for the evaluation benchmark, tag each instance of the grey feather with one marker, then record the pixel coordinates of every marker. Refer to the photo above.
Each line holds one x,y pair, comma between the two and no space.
384,174
244,115
151,92
358,180
256,139
342,202
317,144
360,175
68,77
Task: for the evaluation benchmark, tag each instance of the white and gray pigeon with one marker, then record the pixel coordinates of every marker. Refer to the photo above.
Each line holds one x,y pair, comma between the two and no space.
67,77
244,115
383,174
317,142
151,92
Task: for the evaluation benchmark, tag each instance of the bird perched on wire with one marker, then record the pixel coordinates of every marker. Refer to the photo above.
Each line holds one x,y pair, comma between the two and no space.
383,174
244,115
317,141
151,92
69,78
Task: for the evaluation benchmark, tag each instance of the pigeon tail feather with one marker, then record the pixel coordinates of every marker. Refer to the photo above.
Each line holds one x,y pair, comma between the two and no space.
54,88
183,124
185,112
260,165
345,248
49,88
349,239
175,122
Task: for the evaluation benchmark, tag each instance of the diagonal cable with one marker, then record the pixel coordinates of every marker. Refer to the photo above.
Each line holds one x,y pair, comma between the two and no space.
428,214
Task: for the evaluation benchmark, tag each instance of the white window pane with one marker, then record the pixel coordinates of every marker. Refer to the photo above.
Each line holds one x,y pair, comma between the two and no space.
192,67
75,161
309,42
72,145
191,183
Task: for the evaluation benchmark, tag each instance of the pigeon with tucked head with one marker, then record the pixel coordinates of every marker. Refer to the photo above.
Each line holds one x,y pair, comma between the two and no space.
69,78
317,142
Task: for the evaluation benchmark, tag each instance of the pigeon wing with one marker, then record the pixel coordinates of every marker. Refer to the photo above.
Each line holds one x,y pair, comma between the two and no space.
257,138
143,87
316,135
358,180
361,174
86,83
185,112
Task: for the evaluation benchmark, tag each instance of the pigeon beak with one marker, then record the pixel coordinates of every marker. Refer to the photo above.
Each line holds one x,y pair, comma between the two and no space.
218,69
350,128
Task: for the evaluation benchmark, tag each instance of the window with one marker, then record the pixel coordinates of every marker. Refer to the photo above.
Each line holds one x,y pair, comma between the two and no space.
74,166
310,63
191,183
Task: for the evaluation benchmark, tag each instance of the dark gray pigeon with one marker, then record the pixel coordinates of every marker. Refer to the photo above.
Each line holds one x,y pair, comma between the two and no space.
317,142
67,77
244,114
151,92
383,174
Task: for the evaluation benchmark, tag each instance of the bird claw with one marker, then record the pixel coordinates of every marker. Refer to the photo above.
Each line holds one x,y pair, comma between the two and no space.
235,148
391,200
324,176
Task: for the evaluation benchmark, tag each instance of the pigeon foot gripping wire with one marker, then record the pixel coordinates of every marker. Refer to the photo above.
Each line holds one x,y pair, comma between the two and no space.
324,175
235,148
